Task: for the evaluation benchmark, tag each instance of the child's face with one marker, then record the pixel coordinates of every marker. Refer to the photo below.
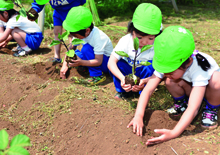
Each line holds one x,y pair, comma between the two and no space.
177,74
3,16
144,40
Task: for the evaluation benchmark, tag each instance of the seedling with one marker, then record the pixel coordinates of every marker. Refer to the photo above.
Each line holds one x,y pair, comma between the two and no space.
70,54
132,78
16,145
22,11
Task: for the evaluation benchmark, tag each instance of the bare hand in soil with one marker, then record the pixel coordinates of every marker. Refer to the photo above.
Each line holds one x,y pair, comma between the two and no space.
165,136
3,44
63,71
126,87
137,124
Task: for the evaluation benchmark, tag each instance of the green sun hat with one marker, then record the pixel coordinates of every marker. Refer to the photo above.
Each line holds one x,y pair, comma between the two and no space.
4,6
42,2
171,48
78,18
147,18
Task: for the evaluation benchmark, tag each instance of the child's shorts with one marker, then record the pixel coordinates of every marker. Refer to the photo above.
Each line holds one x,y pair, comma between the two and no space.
59,17
33,40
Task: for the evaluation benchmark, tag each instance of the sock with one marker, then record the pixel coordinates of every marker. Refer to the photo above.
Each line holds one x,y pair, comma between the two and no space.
181,98
209,106
26,48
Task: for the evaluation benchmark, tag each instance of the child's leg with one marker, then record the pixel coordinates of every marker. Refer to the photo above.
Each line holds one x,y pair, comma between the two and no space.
212,99
180,90
19,36
87,53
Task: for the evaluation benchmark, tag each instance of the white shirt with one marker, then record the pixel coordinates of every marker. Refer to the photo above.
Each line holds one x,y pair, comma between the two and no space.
2,24
126,44
24,24
195,73
100,42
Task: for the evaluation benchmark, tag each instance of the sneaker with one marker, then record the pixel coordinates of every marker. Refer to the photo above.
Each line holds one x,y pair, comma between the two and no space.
16,49
209,119
179,107
96,79
122,95
21,53
57,60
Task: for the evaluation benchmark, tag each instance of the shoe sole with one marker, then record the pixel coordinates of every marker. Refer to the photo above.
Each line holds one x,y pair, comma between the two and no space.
210,127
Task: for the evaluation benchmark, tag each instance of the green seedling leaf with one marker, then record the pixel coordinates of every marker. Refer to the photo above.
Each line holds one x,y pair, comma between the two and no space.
77,42
60,36
70,53
121,53
17,17
3,139
136,43
146,47
23,12
16,150
65,35
135,79
145,63
54,42
20,140
31,14
18,1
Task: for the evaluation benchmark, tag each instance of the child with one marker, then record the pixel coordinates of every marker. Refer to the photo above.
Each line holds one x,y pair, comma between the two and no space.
187,73
145,26
97,48
61,8
26,33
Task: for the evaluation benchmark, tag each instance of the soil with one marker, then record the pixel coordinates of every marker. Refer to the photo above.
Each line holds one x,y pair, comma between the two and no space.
62,117
130,80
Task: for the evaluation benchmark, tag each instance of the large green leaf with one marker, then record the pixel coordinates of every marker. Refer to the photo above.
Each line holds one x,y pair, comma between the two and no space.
16,150
146,47
23,12
77,42
3,139
65,35
136,43
145,63
60,36
20,140
54,42
121,53
70,53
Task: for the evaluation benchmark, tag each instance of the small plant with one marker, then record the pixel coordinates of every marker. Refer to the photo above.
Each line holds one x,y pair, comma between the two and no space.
16,145
70,54
22,12
132,78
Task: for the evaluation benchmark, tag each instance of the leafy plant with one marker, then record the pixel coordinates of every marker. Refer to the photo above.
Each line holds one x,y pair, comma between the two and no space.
16,145
144,63
22,10
62,38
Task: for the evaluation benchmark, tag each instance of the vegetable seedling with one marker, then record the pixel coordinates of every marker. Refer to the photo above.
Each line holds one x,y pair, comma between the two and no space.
70,54
132,78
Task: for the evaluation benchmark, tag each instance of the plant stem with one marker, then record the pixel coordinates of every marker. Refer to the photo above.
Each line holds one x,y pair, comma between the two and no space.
64,45
135,61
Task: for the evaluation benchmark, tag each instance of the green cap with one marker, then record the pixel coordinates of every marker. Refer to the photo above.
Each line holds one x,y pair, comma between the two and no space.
147,18
4,6
42,2
78,18
171,48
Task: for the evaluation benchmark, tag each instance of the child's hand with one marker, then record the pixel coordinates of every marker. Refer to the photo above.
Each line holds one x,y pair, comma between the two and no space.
165,136
137,125
144,81
3,44
76,63
126,87
137,88
63,71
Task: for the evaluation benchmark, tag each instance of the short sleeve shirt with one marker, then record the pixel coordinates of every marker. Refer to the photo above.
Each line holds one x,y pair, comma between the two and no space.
100,42
126,45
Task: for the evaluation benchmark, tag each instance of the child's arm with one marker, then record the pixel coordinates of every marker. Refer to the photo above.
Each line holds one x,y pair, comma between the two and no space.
195,100
64,69
94,62
112,66
137,121
5,34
